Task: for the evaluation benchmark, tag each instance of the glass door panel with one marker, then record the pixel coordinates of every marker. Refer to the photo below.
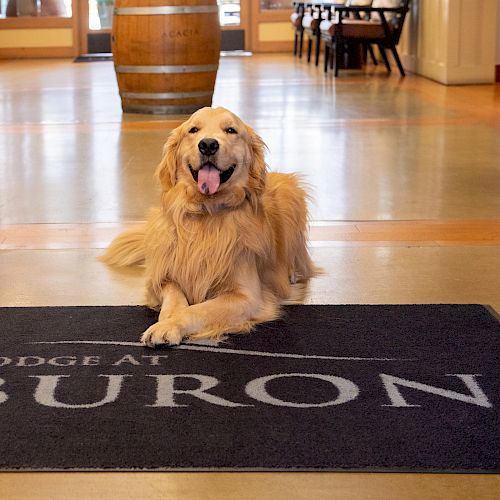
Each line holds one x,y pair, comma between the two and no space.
35,8
275,4
229,12
101,14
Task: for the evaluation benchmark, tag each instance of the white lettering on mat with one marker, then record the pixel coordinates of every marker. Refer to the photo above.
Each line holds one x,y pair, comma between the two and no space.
478,397
348,390
45,391
168,391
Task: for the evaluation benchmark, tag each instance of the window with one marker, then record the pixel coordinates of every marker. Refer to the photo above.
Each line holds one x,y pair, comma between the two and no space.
35,8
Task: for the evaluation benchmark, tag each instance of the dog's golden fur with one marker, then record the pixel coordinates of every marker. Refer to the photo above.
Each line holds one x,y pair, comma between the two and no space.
223,261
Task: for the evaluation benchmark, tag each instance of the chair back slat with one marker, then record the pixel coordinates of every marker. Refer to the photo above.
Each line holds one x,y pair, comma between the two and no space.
398,20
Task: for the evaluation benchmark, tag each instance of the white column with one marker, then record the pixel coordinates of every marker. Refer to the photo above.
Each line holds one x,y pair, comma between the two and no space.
451,41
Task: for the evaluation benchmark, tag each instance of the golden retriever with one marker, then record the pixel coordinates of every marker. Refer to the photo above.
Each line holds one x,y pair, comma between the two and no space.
228,244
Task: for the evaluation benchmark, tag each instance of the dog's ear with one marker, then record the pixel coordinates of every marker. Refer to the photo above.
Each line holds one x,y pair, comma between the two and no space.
167,169
258,167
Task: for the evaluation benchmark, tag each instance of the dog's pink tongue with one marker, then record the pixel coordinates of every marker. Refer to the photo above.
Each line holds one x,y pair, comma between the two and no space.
208,179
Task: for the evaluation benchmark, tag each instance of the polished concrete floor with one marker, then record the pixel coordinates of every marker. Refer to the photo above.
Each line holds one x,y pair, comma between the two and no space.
405,175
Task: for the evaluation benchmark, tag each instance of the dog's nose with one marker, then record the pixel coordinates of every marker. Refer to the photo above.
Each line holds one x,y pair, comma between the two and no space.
208,146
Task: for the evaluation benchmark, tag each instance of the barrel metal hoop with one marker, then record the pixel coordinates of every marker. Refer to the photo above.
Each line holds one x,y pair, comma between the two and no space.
162,10
161,110
194,68
165,95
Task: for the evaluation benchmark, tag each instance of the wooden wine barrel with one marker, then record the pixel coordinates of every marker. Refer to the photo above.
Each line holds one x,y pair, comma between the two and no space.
166,54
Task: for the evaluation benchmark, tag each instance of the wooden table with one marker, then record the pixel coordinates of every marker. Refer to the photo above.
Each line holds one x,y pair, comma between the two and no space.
354,51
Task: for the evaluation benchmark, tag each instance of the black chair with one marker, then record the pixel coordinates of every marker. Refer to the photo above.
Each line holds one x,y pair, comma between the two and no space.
296,19
310,25
382,28
314,14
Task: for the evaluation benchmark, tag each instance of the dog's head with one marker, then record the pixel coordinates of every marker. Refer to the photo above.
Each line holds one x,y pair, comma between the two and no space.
216,158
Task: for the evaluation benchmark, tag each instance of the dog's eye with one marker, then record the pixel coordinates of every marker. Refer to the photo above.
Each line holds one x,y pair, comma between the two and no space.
193,130
231,130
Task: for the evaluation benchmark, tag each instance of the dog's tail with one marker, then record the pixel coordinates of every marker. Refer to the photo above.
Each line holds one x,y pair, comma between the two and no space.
127,249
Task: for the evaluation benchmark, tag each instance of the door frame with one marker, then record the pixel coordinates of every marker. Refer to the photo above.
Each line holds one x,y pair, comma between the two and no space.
278,17
83,24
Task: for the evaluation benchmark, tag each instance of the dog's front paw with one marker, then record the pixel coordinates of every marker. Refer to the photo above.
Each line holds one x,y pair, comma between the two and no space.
164,332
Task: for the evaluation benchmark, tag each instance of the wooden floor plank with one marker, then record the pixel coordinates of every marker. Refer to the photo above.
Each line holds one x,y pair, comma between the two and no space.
408,233
248,486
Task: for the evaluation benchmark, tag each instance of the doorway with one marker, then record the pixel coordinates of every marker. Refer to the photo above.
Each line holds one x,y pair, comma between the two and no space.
96,21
